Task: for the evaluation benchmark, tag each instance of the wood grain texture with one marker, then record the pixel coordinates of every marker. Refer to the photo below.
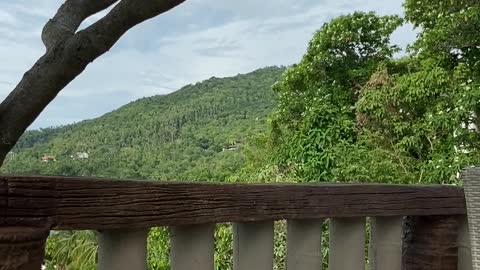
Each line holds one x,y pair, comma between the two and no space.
431,244
82,203
22,248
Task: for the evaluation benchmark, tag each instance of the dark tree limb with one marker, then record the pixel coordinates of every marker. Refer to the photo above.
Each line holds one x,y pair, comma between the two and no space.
68,54
69,17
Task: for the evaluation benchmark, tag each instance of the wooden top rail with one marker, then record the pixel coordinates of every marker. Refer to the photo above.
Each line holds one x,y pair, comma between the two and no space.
87,203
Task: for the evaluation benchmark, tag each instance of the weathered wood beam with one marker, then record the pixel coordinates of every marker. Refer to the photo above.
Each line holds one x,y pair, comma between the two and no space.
81,203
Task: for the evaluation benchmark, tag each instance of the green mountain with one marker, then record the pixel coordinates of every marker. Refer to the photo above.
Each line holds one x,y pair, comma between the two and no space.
195,133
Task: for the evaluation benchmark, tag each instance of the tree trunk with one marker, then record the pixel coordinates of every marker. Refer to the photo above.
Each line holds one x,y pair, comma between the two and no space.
430,243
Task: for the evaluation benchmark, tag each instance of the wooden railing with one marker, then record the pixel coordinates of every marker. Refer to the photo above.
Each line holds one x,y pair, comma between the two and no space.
123,211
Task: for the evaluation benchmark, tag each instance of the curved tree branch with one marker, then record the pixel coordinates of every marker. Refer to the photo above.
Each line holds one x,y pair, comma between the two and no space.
67,56
69,17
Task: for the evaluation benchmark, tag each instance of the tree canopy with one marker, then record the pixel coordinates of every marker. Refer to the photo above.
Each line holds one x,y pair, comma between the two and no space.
350,111
316,115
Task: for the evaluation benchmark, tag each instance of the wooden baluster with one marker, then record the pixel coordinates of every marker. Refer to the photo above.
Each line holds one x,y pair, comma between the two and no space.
430,243
253,245
347,244
192,247
22,248
385,247
304,244
122,249
464,247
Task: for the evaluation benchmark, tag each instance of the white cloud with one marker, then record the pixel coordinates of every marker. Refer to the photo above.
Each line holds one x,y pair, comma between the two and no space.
7,18
43,9
198,40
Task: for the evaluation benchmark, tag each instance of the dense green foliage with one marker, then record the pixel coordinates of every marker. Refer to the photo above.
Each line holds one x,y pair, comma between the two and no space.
71,249
195,133
349,111
316,117
350,114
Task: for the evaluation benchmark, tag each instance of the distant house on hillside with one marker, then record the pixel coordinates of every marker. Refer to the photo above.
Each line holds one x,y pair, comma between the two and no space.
48,158
80,155
231,147
11,155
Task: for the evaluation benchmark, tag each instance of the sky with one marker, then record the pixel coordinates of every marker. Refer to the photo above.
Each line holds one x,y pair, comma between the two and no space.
193,42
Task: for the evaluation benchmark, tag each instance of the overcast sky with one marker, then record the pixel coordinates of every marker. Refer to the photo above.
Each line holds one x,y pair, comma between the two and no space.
193,42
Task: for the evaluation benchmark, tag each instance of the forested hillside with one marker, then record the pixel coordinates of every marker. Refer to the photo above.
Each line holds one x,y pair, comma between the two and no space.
195,133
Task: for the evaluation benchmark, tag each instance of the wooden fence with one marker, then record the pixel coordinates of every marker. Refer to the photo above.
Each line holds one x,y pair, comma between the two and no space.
124,210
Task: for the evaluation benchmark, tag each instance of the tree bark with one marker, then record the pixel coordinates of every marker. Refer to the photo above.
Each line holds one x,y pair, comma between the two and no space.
68,53
430,243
